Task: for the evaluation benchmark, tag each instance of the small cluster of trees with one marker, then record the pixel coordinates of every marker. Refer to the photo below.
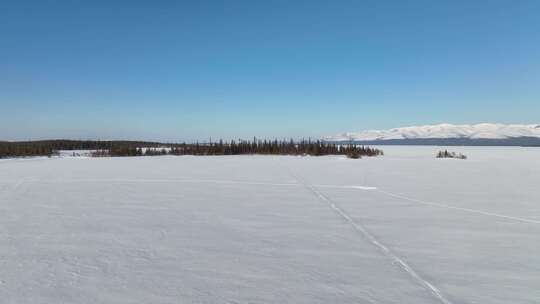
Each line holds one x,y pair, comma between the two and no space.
446,154
132,148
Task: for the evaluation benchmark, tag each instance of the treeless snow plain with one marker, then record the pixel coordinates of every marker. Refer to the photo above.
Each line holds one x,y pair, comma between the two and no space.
402,228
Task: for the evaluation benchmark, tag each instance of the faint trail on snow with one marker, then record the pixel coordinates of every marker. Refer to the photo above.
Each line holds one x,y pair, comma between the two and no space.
17,185
435,292
475,211
346,187
10,190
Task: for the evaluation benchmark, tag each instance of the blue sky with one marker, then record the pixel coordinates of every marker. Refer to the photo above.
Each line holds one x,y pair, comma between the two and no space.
188,70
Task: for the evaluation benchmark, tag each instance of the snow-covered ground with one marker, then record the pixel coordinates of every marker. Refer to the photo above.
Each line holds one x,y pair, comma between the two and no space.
402,228
75,153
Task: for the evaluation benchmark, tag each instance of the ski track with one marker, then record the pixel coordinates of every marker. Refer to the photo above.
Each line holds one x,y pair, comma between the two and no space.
475,211
434,291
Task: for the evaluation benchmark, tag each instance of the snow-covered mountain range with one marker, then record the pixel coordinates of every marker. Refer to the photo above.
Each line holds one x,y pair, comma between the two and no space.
444,131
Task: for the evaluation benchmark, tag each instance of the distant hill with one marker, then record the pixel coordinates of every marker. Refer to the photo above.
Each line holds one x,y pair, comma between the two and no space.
485,134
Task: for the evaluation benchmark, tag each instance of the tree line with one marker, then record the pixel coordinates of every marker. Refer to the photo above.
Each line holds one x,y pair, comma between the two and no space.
139,148
274,147
49,147
24,149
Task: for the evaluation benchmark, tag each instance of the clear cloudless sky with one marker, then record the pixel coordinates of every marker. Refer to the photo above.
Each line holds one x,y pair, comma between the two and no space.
188,70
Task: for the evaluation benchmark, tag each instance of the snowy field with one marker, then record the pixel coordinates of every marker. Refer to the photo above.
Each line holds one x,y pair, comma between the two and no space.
402,228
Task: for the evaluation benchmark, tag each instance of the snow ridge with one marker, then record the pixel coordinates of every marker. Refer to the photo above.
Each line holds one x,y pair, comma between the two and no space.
445,130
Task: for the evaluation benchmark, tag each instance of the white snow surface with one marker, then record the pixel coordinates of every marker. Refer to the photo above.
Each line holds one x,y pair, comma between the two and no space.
75,153
156,149
475,131
402,228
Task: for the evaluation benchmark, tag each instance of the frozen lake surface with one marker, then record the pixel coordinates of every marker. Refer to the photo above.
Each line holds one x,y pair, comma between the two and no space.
402,228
